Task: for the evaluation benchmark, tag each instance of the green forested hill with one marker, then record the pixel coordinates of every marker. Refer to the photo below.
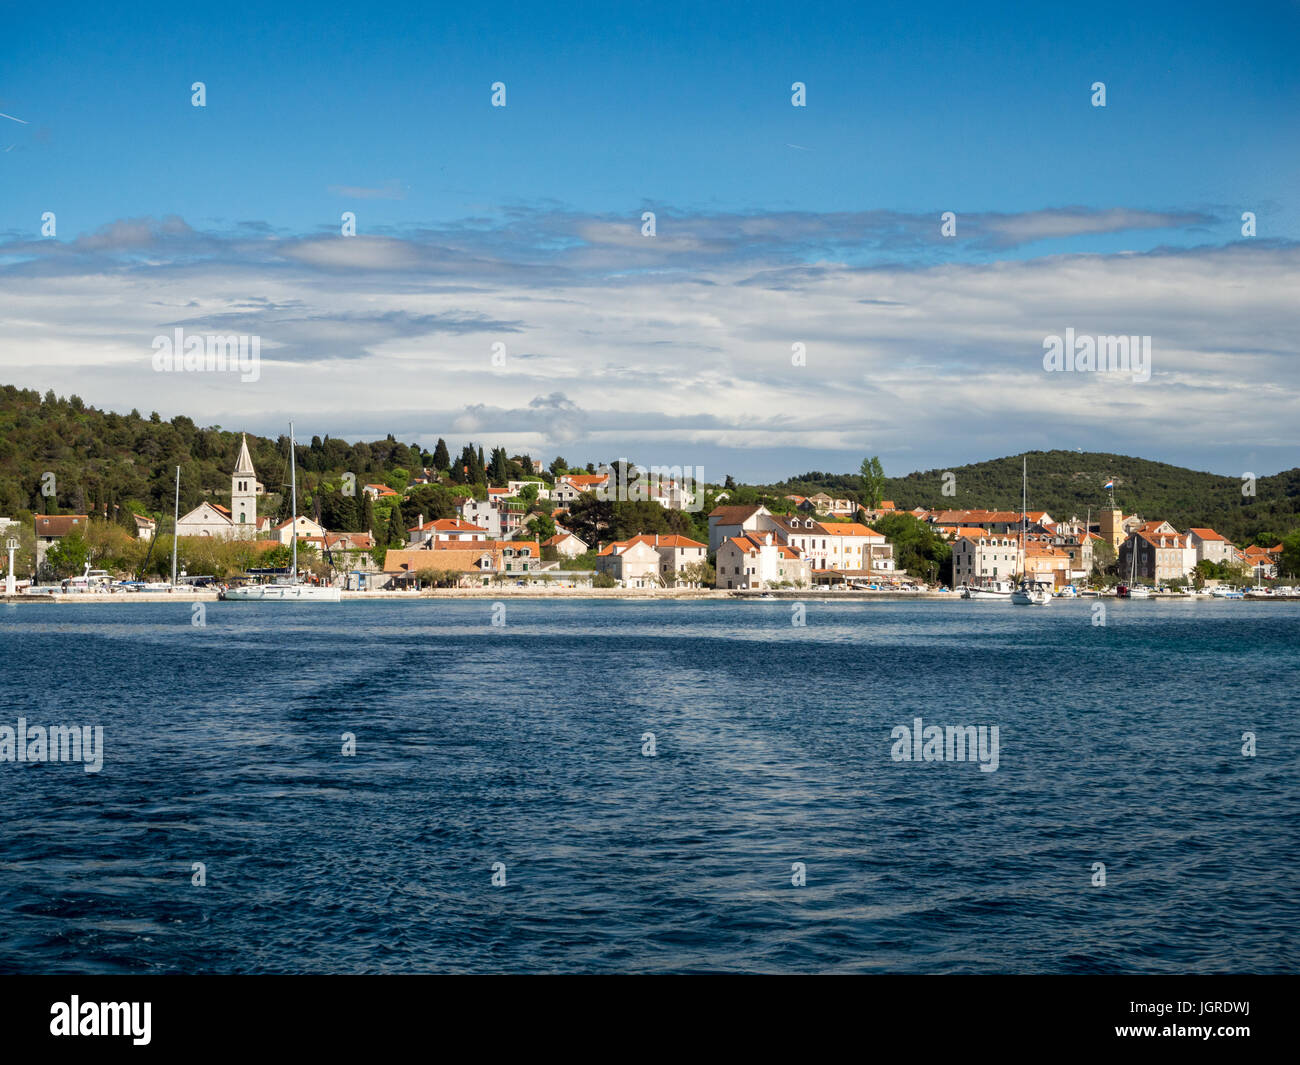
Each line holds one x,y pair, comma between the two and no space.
128,460
100,458
1065,483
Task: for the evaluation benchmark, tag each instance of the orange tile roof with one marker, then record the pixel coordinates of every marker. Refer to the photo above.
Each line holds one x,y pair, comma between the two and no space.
665,540
850,528
447,525
59,524
484,545
414,560
1172,540
751,543
975,517
1044,550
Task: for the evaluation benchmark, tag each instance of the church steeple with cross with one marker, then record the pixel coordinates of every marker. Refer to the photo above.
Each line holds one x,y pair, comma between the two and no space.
243,493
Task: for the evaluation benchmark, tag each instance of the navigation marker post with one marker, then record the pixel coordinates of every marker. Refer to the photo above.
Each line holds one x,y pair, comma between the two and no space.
12,545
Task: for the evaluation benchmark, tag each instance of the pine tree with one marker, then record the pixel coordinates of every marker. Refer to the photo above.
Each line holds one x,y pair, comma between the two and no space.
441,457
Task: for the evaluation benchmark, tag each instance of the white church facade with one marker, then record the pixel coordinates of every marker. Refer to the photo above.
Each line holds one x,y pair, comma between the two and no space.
240,521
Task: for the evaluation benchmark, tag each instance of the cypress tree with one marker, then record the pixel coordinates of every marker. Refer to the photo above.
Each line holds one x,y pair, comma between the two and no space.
396,533
500,472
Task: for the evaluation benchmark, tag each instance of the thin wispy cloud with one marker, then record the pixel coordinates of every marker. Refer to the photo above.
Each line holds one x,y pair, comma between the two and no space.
389,190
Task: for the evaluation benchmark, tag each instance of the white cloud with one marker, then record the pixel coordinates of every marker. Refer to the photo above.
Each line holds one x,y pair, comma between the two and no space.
358,331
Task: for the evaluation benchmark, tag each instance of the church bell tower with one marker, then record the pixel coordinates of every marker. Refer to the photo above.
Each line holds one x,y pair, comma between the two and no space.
243,494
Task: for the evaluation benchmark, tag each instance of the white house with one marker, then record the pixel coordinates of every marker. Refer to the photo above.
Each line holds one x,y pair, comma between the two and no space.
302,525
1210,546
482,513
569,486
728,522
757,560
633,563
51,528
516,488
843,546
857,548
567,545
989,557
444,529
676,553
672,494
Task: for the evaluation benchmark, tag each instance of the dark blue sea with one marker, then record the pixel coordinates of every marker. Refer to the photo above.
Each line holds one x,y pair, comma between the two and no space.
521,744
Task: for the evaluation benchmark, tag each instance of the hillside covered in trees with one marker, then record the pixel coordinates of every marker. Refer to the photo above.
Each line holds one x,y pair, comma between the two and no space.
1066,483
103,462
100,459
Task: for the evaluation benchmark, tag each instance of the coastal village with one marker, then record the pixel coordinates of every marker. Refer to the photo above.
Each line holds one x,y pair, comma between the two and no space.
519,534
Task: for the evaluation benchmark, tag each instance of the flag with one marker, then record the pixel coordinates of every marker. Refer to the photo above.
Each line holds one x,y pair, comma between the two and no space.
1109,484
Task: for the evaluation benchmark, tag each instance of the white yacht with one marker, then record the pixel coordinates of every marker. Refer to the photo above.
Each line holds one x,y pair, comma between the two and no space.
994,590
282,590
1032,593
287,589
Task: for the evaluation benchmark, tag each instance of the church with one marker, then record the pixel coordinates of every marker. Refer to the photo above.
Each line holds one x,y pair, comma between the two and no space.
240,521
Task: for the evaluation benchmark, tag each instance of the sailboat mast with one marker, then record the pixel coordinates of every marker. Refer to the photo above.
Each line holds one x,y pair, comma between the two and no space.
176,517
293,492
1024,501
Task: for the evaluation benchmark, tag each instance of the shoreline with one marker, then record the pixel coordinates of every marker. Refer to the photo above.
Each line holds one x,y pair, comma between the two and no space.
642,594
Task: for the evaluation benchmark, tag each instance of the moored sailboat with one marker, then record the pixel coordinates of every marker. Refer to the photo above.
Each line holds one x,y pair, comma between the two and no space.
287,589
999,591
1029,592
1133,590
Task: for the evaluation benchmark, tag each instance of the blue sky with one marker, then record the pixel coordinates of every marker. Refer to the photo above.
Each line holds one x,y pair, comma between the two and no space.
521,224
